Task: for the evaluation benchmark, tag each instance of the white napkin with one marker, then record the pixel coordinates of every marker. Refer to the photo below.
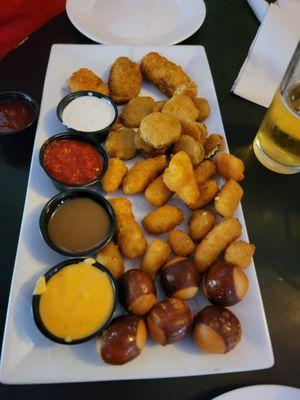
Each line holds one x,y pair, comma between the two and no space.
259,7
270,53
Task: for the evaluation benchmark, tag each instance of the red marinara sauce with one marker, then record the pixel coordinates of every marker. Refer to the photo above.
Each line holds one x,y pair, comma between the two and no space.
72,162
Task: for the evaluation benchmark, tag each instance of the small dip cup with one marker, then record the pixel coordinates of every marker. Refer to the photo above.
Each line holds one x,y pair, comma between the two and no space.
11,96
37,297
100,134
61,198
62,186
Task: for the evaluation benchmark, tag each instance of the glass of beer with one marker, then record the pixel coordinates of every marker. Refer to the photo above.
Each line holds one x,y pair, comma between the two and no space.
277,143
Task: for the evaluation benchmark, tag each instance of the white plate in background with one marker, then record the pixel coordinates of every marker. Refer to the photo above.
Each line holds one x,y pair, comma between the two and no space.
151,22
262,392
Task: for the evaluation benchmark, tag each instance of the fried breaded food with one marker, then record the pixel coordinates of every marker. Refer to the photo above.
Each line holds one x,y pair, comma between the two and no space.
142,173
114,175
207,192
230,166
163,219
197,130
205,171
130,237
213,144
191,147
179,177
209,249
159,105
120,143
189,89
157,192
160,130
239,254
112,259
117,125
203,108
180,242
182,107
201,222
137,109
124,80
155,257
228,198
85,79
163,73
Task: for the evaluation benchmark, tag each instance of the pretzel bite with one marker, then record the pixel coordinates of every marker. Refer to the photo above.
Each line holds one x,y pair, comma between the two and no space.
203,108
205,171
230,166
182,107
163,219
130,237
163,73
112,259
195,129
135,110
179,177
160,130
191,147
120,143
157,192
142,173
155,257
201,222
124,80
114,175
207,192
85,79
158,105
180,243
228,198
213,144
239,254
209,249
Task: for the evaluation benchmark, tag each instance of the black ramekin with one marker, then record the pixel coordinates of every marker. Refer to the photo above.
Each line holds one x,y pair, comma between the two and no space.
74,136
36,303
99,135
15,95
57,201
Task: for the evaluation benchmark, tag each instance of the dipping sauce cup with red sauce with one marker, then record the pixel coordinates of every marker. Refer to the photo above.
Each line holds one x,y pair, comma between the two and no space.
18,111
72,161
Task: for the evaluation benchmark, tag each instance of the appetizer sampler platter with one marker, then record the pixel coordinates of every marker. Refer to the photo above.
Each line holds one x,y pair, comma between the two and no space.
29,357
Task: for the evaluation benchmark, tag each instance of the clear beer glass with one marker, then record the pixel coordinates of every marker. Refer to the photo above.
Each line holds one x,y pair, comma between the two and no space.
277,143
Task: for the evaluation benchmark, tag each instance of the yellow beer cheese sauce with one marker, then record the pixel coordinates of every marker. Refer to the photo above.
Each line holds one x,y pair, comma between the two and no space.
77,301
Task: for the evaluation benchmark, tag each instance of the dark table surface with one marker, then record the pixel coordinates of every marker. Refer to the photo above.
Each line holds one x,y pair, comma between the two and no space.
271,207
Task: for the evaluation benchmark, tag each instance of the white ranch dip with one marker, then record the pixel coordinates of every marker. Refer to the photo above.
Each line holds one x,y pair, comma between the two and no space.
88,114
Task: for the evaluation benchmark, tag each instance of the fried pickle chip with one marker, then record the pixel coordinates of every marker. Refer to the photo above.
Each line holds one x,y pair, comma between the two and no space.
112,259
114,175
201,222
205,171
163,73
209,249
213,144
159,105
203,108
137,109
124,80
239,254
230,166
179,177
188,89
160,130
191,147
117,125
120,143
180,242
155,257
85,79
194,129
142,173
207,192
130,237
182,107
157,192
163,219
228,198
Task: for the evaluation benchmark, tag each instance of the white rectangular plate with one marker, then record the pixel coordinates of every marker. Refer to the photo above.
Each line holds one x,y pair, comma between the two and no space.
28,357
